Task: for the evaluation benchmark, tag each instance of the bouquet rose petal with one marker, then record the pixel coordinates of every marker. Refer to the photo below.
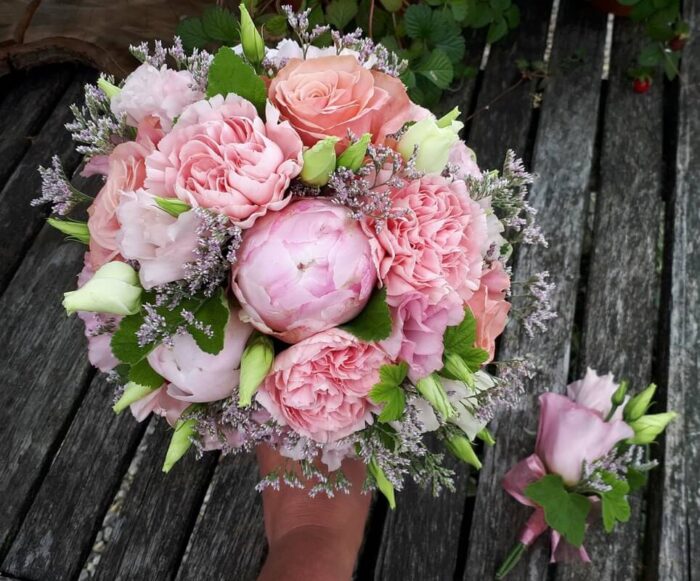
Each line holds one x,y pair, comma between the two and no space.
287,251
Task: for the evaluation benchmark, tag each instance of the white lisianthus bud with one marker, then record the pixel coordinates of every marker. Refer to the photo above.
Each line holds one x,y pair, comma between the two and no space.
108,88
648,427
113,289
181,441
319,162
431,389
639,404
252,42
256,362
133,392
353,157
462,448
455,365
434,138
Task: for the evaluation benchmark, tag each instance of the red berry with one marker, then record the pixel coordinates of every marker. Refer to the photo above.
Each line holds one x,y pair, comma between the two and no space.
677,43
641,85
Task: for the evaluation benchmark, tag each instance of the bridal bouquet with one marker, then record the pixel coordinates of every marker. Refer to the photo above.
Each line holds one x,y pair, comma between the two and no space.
288,251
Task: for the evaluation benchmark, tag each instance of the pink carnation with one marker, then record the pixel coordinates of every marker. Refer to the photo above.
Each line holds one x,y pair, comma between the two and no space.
161,243
319,387
221,155
162,93
438,246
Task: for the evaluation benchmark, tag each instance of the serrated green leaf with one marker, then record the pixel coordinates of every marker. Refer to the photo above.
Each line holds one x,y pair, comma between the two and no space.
497,30
339,13
460,9
564,511
220,24
229,73
274,25
389,391
480,14
650,55
461,338
191,32
437,68
636,479
143,374
393,374
213,314
446,35
374,321
615,506
418,20
124,343
500,5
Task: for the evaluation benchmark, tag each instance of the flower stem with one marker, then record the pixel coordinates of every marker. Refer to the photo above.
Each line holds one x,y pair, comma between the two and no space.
511,560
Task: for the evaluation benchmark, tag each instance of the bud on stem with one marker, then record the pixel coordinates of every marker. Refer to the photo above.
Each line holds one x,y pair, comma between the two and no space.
256,361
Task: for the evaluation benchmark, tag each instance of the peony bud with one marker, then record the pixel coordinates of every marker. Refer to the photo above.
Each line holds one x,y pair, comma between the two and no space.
256,361
133,392
639,404
181,441
353,157
319,162
462,448
74,229
108,88
648,427
113,289
434,142
431,389
455,366
252,42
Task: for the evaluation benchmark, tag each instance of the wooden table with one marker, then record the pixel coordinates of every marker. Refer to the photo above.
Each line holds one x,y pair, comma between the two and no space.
81,489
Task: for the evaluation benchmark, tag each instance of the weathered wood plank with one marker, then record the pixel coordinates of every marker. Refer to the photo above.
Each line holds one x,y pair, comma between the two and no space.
563,159
25,108
231,526
621,312
151,532
679,527
16,215
57,533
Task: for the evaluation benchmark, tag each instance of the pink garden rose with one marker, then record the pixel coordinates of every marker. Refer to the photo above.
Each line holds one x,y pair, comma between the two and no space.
161,93
196,376
570,433
332,95
595,392
418,331
319,387
438,246
305,269
221,155
127,172
490,307
161,404
161,243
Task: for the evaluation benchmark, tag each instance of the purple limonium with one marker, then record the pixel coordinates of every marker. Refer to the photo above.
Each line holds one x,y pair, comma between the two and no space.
57,190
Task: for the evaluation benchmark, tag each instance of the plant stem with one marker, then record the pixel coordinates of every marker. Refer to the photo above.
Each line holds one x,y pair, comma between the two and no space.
511,560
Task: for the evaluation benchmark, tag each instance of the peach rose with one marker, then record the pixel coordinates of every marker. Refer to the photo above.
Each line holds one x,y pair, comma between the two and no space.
330,95
490,308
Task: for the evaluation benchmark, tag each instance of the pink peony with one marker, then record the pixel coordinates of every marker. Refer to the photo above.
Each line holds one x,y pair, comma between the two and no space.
127,172
305,269
161,404
465,160
418,331
569,433
162,93
161,243
196,376
438,246
595,392
490,307
319,386
332,95
221,155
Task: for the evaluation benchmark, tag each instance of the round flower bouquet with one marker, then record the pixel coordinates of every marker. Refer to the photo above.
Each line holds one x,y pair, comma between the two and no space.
288,251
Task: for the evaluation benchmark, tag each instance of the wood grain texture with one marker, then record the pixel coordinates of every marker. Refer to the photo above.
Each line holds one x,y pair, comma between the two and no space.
16,213
230,528
621,311
151,532
57,533
679,533
563,160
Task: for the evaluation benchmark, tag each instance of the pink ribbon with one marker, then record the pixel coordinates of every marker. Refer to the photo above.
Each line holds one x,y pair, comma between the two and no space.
525,472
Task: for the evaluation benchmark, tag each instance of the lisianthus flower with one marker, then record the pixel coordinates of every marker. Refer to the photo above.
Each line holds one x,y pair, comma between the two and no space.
595,392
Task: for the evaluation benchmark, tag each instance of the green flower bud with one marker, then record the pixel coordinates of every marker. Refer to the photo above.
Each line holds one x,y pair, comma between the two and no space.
108,88
486,437
648,427
449,118
133,392
181,441
74,229
434,142
256,362
431,389
462,448
455,366
618,398
383,484
354,155
252,42
639,404
113,289
319,162
172,206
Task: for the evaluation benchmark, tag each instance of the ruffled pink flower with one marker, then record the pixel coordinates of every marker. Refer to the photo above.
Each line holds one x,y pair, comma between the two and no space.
162,93
595,392
418,329
438,246
161,404
127,172
196,376
465,160
570,433
161,243
332,95
319,387
221,155
490,307
305,269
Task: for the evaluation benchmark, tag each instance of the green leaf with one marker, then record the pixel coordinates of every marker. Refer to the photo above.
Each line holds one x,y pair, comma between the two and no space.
393,374
124,343
615,506
460,9
408,78
214,314
191,32
437,68
636,479
460,339
383,484
274,25
374,321
418,19
480,15
564,511
172,206
650,55
389,391
339,13
143,374
500,5
497,30
229,73
446,35
73,229
220,24
512,16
